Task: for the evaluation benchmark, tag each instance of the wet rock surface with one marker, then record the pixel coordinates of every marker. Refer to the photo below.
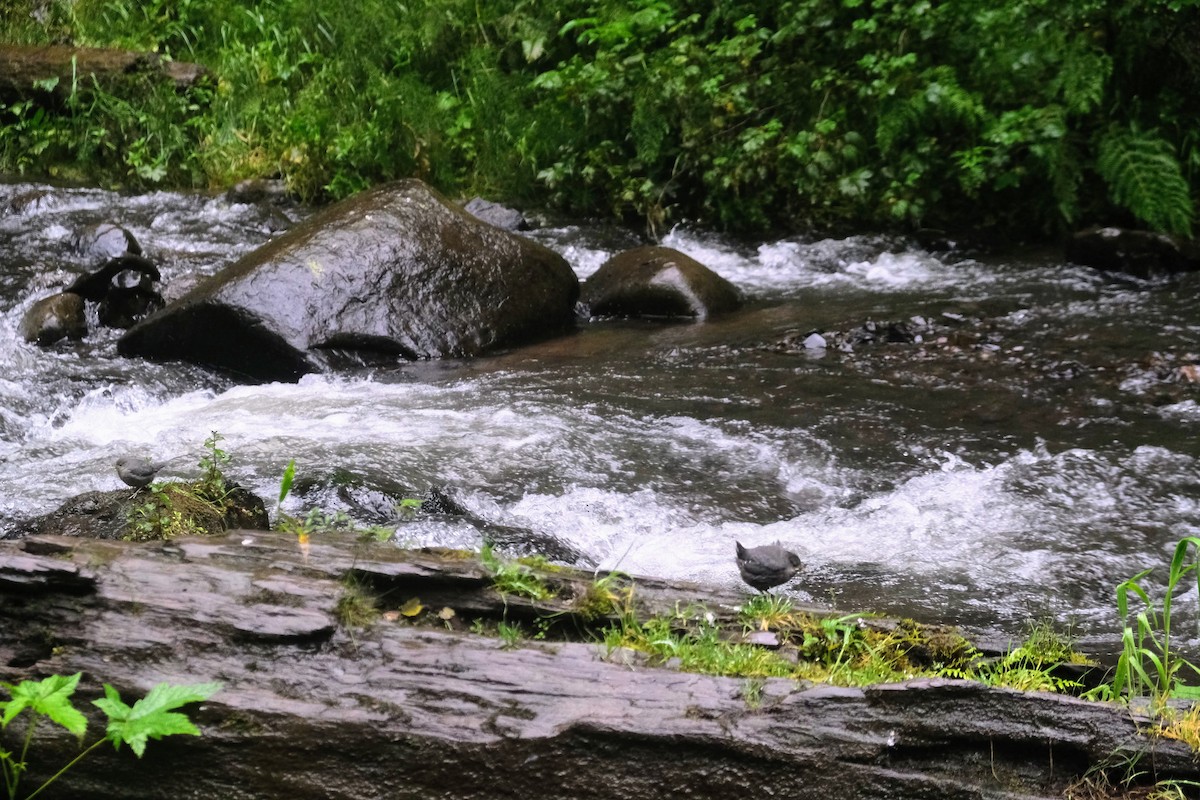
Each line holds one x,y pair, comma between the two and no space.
969,344
383,502
403,708
124,289
656,281
51,319
1143,254
391,274
108,515
103,241
493,213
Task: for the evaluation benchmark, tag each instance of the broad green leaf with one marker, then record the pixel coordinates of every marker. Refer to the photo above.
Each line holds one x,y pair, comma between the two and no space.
289,475
50,697
152,716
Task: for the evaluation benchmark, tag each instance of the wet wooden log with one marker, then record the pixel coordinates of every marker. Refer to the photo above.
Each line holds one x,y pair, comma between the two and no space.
311,709
24,67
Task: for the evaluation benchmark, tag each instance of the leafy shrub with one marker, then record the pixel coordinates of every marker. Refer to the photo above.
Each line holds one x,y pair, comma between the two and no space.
49,700
1025,115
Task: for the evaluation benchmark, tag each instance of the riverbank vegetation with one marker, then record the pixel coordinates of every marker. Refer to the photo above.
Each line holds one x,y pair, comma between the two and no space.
48,702
1021,116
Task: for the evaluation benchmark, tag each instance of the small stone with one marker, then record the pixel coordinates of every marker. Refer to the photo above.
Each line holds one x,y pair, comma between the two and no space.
768,639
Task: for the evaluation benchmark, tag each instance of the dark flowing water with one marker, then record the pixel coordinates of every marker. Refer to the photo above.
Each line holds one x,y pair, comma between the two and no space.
1037,446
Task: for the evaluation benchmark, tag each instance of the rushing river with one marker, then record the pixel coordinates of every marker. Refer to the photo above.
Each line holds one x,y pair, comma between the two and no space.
1040,444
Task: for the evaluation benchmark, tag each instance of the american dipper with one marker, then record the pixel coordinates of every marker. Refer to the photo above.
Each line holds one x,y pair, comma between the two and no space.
136,472
766,566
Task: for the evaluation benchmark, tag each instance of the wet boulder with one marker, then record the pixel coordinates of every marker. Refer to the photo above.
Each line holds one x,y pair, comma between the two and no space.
1143,254
123,289
495,214
119,271
104,241
655,281
394,272
113,515
51,319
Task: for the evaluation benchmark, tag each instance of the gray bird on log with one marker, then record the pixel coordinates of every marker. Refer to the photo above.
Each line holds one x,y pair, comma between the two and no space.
137,472
767,566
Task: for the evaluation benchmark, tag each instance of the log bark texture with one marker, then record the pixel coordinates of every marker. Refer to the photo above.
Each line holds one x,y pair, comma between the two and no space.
311,709
23,65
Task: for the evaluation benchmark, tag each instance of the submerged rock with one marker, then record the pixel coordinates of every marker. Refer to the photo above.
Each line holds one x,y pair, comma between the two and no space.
396,272
655,281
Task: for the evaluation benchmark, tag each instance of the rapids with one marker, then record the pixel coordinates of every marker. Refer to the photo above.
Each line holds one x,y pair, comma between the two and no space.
1042,446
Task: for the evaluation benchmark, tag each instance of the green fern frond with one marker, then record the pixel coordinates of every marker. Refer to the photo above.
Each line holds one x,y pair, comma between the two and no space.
1144,176
940,104
1083,77
900,121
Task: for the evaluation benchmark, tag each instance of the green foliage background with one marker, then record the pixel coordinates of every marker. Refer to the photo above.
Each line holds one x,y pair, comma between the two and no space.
1016,115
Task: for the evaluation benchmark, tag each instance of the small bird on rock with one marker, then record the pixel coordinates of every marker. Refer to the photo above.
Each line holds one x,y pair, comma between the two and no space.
137,472
766,566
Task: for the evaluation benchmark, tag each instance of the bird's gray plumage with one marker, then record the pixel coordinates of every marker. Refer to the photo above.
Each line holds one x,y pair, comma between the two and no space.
137,472
766,566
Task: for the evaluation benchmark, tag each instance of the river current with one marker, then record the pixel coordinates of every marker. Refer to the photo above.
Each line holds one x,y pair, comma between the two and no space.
1032,440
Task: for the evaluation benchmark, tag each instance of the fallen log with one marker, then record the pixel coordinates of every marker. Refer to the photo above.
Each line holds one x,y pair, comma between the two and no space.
23,68
312,708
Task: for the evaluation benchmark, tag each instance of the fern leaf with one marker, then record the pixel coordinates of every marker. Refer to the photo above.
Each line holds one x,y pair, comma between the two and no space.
1144,176
941,104
1083,77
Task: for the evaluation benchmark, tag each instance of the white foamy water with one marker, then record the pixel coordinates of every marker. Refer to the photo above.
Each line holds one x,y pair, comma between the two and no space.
862,263
653,449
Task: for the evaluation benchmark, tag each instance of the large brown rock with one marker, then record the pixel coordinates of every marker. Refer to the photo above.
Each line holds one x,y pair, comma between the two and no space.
394,272
53,318
312,709
655,281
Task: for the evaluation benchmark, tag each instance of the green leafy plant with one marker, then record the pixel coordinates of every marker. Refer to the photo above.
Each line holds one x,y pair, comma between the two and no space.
408,506
49,700
1031,666
285,483
766,611
174,510
212,483
357,606
1019,114
512,577
701,647
1144,175
605,596
752,692
185,509
511,634
1149,665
